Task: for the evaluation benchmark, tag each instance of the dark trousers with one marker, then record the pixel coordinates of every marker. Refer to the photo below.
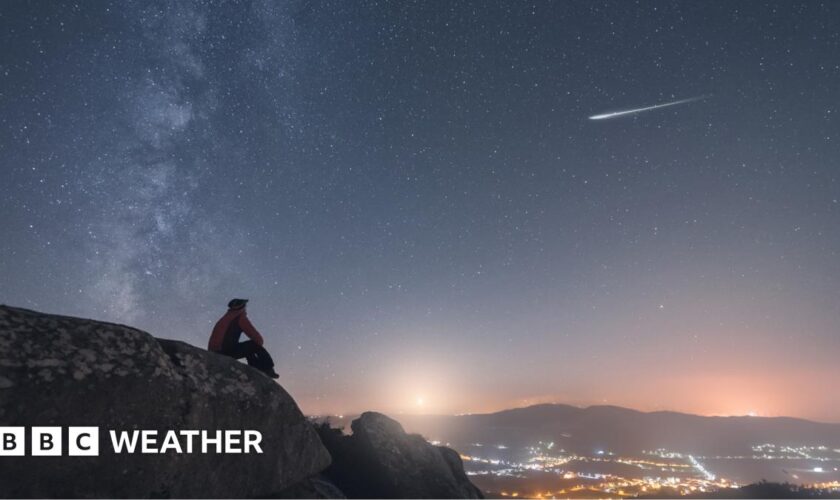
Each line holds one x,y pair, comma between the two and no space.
256,355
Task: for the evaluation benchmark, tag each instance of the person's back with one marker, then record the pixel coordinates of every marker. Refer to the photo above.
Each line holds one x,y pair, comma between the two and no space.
225,338
229,328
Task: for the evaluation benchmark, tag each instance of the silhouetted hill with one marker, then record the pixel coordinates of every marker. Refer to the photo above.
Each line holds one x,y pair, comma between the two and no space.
622,430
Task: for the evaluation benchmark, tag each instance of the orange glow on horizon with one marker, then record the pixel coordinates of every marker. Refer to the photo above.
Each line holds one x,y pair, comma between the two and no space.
745,393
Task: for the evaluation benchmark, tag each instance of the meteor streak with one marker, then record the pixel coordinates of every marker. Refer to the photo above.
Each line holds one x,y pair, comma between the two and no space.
616,114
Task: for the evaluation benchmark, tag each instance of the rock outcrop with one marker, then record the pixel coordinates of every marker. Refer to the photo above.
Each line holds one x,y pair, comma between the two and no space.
58,371
379,460
62,371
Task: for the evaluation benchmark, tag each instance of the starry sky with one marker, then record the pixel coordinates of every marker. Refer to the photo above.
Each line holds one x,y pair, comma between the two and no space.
416,203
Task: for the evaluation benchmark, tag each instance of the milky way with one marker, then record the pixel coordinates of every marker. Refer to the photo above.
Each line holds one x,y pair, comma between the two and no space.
415,203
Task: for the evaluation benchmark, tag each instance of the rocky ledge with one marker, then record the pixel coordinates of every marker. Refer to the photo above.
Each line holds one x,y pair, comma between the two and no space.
59,371
62,371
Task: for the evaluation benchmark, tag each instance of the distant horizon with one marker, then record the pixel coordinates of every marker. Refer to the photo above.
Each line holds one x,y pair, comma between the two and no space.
582,407
523,402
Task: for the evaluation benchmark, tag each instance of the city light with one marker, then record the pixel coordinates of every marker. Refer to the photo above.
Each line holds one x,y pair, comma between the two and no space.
682,473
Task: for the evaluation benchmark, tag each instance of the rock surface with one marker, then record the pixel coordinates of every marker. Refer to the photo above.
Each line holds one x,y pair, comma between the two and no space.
313,487
379,460
63,371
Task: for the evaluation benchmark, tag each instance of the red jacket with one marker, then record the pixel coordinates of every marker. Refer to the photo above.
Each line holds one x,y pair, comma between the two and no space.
234,322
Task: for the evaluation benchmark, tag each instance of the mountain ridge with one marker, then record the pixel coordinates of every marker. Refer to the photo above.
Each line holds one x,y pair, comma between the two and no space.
616,407
622,429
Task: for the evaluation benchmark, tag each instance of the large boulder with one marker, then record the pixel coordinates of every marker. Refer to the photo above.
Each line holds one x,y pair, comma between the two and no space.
379,460
63,371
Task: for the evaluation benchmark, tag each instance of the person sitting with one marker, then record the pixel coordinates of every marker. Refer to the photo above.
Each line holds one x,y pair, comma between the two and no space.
225,339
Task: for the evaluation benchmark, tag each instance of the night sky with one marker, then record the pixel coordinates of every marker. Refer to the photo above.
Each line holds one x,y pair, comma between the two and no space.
417,204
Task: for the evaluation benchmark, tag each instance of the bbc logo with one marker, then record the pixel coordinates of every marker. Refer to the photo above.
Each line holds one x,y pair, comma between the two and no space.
47,441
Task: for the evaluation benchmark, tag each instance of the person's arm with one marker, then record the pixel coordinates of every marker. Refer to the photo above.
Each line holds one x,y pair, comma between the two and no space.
249,330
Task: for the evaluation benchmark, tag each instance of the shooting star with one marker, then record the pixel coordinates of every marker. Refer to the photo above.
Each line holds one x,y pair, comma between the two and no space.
616,114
